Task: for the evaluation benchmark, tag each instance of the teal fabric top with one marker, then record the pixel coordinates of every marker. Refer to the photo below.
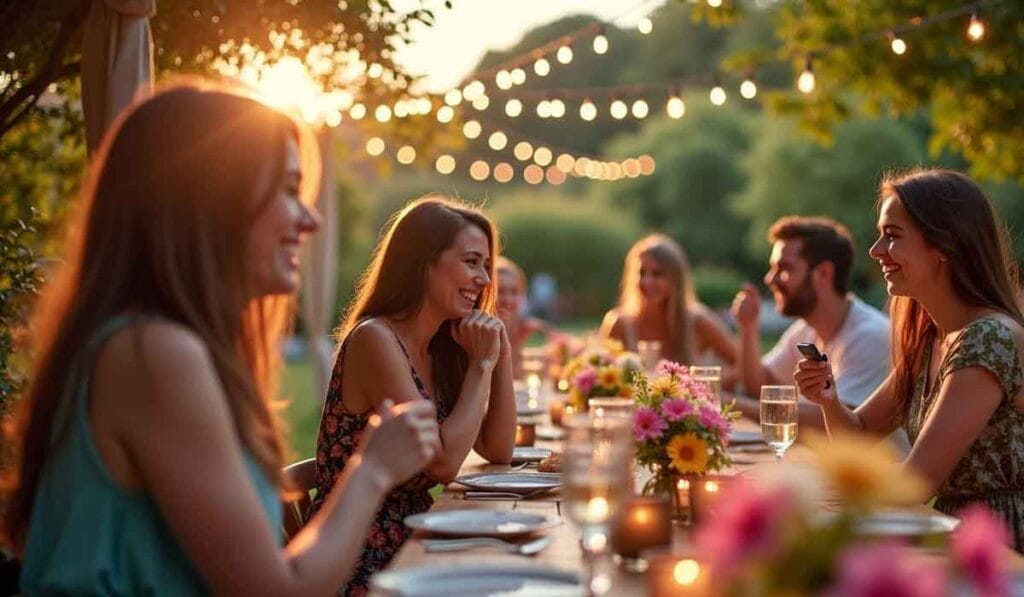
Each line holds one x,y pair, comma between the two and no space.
87,535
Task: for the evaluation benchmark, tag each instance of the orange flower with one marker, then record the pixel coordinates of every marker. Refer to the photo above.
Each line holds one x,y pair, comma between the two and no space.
689,453
609,377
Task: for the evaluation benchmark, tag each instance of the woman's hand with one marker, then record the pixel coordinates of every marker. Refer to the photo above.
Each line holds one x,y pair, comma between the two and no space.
811,379
401,440
480,335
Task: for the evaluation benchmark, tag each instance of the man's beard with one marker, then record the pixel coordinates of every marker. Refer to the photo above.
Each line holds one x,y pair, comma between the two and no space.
801,302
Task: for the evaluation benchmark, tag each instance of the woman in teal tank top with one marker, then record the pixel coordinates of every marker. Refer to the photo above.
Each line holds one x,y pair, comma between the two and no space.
148,459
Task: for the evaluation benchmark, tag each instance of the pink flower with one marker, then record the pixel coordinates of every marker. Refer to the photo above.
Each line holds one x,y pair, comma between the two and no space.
699,390
647,424
585,380
666,367
978,547
676,409
884,569
711,418
747,523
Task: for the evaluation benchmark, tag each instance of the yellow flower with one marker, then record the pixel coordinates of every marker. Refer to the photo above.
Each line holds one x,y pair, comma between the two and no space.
577,399
689,453
866,472
609,377
665,387
626,391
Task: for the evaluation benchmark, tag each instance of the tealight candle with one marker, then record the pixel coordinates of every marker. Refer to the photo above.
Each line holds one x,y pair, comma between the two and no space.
703,494
673,574
644,522
526,434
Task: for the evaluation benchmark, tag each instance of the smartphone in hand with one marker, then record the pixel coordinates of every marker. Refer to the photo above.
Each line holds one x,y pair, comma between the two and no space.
810,351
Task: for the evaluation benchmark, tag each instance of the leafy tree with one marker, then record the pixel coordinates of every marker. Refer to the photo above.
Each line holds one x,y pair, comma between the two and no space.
19,279
972,92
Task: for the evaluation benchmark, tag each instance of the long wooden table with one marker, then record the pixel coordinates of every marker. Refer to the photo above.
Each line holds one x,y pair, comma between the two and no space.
564,551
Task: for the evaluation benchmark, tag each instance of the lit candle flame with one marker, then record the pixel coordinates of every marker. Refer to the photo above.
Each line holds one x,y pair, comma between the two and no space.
686,572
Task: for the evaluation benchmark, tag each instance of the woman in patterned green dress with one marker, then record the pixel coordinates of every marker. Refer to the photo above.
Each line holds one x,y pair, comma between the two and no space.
957,335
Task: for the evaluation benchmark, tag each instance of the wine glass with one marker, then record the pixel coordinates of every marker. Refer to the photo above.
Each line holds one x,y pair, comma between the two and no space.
711,376
778,417
598,480
650,354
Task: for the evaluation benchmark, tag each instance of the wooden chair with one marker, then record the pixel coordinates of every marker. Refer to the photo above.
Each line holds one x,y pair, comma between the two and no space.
301,476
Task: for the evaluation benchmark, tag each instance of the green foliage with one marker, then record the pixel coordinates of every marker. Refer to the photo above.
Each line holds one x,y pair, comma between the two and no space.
580,245
19,280
971,91
716,286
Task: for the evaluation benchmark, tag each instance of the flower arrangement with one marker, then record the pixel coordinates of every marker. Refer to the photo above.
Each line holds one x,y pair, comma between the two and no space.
678,428
602,370
771,537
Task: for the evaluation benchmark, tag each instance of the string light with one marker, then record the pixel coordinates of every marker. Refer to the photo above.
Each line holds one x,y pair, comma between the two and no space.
542,156
497,141
513,108
565,162
640,109
646,165
445,164
401,109
717,95
357,112
375,71
382,113
976,28
806,82
564,55
544,109
503,79
518,76
406,154
481,102
714,3
333,118
748,88
375,146
479,170
472,129
600,43
533,174
619,110
503,172
474,90
588,111
645,26
675,107
445,114
523,151
542,67
557,108
554,176
899,47
453,97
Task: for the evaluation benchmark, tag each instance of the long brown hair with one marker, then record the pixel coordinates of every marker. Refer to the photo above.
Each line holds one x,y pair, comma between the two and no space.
162,229
955,217
682,297
395,282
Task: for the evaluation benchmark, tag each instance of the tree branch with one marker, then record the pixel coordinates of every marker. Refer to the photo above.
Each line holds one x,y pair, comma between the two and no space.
66,71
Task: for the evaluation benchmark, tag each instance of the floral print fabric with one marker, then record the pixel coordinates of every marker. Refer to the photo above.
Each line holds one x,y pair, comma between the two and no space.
339,436
992,471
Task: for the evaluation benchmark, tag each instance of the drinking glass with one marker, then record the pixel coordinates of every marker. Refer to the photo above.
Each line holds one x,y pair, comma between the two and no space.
598,480
611,406
650,354
710,376
778,417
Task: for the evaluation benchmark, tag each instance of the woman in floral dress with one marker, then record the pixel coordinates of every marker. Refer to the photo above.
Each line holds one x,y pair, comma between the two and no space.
957,337
421,328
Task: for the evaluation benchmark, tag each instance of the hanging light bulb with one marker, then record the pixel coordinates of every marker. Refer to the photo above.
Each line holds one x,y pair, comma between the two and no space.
479,170
472,91
513,108
523,151
453,97
472,129
600,43
640,109
717,95
899,47
445,164
619,109
557,108
503,79
375,146
542,67
748,88
645,26
588,111
805,83
382,113
714,3
675,108
481,102
542,156
357,112
497,141
445,114
564,55
503,172
518,76
406,154
976,28
544,109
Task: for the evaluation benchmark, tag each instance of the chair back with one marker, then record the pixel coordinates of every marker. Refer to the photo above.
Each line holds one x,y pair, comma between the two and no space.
300,476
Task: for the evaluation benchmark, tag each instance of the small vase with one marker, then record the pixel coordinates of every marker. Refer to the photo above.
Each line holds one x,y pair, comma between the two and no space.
677,488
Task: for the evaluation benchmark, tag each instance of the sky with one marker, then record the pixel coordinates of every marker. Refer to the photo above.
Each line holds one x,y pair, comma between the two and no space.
446,52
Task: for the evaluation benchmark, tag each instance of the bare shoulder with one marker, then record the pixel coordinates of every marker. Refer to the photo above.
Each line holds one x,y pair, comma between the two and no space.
613,322
371,340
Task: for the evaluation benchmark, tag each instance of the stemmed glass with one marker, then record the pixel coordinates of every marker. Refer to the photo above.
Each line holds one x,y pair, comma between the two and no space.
598,479
778,417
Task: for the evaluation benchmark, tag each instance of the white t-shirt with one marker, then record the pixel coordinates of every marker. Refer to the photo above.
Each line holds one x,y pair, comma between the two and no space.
859,353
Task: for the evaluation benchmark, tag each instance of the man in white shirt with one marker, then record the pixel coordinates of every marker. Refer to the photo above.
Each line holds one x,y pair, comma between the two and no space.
809,276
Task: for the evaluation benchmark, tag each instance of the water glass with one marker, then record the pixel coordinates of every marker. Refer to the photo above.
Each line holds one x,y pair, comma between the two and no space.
711,376
778,417
611,406
598,480
650,354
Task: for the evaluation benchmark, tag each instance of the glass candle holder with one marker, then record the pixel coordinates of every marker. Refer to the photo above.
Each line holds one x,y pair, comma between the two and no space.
526,434
643,523
673,574
703,493
611,406
556,410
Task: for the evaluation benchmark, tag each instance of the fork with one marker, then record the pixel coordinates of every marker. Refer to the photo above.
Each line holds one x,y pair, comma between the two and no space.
501,495
524,549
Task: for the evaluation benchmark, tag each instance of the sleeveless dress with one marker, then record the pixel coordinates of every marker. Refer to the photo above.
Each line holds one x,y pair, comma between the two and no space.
89,536
992,471
340,433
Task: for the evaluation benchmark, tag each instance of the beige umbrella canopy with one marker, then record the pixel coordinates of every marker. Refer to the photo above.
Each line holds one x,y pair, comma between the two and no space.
117,61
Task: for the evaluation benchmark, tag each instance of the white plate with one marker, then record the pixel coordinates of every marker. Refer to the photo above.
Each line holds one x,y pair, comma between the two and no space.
742,436
477,580
897,523
480,523
520,483
550,433
526,454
